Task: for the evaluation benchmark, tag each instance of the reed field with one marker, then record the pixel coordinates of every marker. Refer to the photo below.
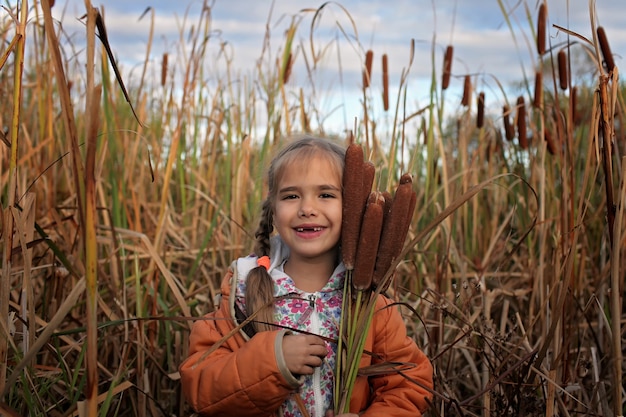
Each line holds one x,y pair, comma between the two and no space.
124,199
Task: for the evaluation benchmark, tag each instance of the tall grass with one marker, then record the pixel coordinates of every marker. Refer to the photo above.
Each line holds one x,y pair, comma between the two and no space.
119,222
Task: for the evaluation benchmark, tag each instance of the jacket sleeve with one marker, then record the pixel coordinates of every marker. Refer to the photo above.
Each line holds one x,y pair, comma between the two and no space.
394,394
239,375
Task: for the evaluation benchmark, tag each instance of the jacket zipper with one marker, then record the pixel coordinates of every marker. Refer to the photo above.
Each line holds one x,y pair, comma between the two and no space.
317,374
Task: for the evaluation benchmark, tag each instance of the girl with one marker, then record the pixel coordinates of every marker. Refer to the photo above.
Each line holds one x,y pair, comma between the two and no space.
282,362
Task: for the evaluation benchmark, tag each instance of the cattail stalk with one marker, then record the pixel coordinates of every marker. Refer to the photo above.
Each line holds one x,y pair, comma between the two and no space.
447,67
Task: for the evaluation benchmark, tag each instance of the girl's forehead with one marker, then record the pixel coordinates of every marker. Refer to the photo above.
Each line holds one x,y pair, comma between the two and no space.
314,166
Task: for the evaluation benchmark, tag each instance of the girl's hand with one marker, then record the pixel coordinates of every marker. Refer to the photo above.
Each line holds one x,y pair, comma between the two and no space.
303,353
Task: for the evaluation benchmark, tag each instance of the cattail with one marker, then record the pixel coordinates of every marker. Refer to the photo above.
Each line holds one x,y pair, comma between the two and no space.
547,134
447,67
394,229
480,117
367,72
467,91
385,83
369,240
562,58
521,122
541,29
574,104
509,132
352,207
609,63
287,72
164,69
538,99
369,172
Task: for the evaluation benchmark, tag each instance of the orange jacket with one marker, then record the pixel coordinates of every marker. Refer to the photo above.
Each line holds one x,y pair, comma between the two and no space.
247,376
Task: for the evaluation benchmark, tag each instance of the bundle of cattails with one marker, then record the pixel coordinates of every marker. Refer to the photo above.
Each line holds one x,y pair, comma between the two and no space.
609,63
375,226
447,67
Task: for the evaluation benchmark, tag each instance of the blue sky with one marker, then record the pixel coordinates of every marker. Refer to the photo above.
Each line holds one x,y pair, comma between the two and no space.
485,45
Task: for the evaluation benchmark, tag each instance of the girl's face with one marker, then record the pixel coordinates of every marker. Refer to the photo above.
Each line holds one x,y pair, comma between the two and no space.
308,209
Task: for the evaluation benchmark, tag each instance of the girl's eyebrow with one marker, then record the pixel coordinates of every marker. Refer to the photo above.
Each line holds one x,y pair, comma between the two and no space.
291,188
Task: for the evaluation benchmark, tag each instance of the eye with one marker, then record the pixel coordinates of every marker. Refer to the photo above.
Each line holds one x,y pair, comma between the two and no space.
289,197
327,195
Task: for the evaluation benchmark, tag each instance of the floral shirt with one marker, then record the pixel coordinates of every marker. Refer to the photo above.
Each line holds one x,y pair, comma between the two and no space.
318,313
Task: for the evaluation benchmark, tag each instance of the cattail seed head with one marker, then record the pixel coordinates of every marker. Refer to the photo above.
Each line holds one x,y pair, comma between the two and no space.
164,69
562,59
367,72
541,29
467,91
521,122
609,63
385,83
369,239
447,67
538,99
352,205
550,145
287,72
480,116
509,131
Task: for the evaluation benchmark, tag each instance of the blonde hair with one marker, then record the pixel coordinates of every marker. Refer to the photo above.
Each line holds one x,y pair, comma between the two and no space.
259,292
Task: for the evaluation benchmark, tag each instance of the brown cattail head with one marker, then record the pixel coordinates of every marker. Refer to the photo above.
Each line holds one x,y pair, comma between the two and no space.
385,83
369,239
541,29
164,69
609,63
562,58
509,131
480,115
367,71
467,91
352,204
576,115
395,229
521,122
287,72
538,99
369,172
550,145
447,67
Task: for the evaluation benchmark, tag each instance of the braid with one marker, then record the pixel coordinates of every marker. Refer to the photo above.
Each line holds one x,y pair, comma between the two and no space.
265,229
259,285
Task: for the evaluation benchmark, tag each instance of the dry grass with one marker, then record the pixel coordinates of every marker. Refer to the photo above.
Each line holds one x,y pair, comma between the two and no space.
122,230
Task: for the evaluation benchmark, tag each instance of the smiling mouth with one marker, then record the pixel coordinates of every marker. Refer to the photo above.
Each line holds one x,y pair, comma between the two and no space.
308,229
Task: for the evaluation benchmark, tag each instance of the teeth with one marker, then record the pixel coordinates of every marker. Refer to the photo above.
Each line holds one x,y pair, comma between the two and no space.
314,229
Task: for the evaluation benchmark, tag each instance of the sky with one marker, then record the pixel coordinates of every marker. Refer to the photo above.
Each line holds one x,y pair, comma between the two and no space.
496,51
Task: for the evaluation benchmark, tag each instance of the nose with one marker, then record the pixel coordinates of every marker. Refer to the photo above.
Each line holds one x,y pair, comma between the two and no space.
307,208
